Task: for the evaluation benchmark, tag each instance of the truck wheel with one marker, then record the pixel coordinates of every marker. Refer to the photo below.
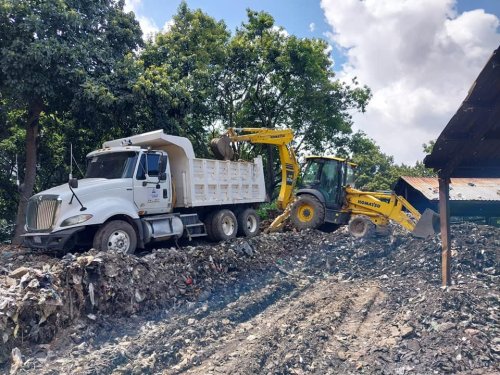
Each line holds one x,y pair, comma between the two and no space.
208,226
307,212
224,225
117,236
360,227
248,223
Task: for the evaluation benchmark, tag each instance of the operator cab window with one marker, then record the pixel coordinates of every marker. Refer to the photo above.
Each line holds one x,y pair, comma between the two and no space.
329,180
310,176
350,178
150,167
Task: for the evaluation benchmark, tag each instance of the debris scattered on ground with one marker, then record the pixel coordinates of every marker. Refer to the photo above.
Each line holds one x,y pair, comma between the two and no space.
307,302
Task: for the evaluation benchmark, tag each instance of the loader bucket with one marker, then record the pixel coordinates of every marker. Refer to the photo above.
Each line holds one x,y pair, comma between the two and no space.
428,225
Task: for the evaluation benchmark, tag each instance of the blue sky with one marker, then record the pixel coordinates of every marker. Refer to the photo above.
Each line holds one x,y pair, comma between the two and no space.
419,57
296,16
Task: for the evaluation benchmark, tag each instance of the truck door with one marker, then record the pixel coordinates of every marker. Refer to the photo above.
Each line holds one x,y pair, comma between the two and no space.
152,183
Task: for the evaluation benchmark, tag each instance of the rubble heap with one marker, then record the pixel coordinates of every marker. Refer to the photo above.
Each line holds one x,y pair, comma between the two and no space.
40,294
425,327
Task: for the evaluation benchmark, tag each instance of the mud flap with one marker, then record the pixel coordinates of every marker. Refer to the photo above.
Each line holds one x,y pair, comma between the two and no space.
428,225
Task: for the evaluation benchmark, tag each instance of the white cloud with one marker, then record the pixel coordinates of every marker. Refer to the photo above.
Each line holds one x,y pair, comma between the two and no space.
280,30
148,25
168,25
419,57
132,5
312,26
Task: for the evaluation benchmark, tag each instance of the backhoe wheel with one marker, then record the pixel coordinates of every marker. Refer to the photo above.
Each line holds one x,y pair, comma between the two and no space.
248,223
224,225
307,212
360,227
116,236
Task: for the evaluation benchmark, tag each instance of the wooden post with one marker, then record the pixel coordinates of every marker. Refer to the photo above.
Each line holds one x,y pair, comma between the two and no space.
444,213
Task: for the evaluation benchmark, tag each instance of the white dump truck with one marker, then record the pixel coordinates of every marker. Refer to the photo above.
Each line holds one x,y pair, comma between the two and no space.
144,188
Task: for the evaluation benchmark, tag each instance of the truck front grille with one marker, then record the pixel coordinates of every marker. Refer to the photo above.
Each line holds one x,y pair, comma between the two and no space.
41,212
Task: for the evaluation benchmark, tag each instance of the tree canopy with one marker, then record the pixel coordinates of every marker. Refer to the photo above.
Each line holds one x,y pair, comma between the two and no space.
376,170
78,71
52,53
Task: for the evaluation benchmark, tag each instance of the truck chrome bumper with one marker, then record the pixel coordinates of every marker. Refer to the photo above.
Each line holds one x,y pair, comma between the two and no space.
52,241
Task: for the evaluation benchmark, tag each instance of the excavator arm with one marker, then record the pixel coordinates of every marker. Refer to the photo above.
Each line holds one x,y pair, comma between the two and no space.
282,139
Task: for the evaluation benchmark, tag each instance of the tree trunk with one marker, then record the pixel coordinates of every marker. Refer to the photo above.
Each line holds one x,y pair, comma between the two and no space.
26,188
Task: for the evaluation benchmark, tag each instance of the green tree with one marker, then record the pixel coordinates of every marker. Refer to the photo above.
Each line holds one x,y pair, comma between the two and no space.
428,147
197,77
274,79
11,139
181,67
50,52
376,170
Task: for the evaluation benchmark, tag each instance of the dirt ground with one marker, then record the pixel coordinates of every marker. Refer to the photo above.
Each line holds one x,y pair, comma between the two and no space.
287,303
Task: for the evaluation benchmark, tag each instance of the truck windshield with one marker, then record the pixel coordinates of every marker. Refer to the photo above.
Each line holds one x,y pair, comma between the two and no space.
112,165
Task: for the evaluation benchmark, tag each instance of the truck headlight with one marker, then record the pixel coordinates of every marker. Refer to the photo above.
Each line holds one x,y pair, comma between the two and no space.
73,220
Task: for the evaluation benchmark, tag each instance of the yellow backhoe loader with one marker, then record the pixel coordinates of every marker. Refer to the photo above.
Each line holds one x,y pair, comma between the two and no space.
327,198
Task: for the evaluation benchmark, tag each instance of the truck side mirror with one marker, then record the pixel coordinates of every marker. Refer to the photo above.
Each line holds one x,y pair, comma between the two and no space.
73,183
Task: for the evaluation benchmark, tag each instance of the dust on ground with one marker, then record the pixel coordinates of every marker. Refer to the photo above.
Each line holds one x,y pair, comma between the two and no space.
286,303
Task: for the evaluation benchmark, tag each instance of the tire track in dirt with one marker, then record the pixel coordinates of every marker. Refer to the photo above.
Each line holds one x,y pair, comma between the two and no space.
361,330
161,344
283,326
290,334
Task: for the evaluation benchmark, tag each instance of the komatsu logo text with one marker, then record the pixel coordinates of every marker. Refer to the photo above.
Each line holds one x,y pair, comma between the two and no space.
371,204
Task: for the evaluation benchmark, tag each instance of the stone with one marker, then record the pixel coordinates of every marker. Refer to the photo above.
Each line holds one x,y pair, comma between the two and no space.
406,331
19,272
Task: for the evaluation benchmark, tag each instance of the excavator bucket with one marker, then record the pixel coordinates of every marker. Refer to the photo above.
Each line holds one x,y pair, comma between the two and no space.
428,225
221,147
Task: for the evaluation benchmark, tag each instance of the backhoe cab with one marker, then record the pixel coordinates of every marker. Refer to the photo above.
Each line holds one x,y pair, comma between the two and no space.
327,199
321,194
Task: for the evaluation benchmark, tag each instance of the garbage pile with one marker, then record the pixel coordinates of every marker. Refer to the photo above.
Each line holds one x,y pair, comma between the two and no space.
40,294
426,327
446,330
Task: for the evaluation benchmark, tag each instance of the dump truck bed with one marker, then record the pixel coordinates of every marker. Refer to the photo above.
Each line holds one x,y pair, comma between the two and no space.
217,182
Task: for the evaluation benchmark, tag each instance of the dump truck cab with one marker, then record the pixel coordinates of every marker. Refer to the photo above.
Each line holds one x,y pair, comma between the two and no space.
147,173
